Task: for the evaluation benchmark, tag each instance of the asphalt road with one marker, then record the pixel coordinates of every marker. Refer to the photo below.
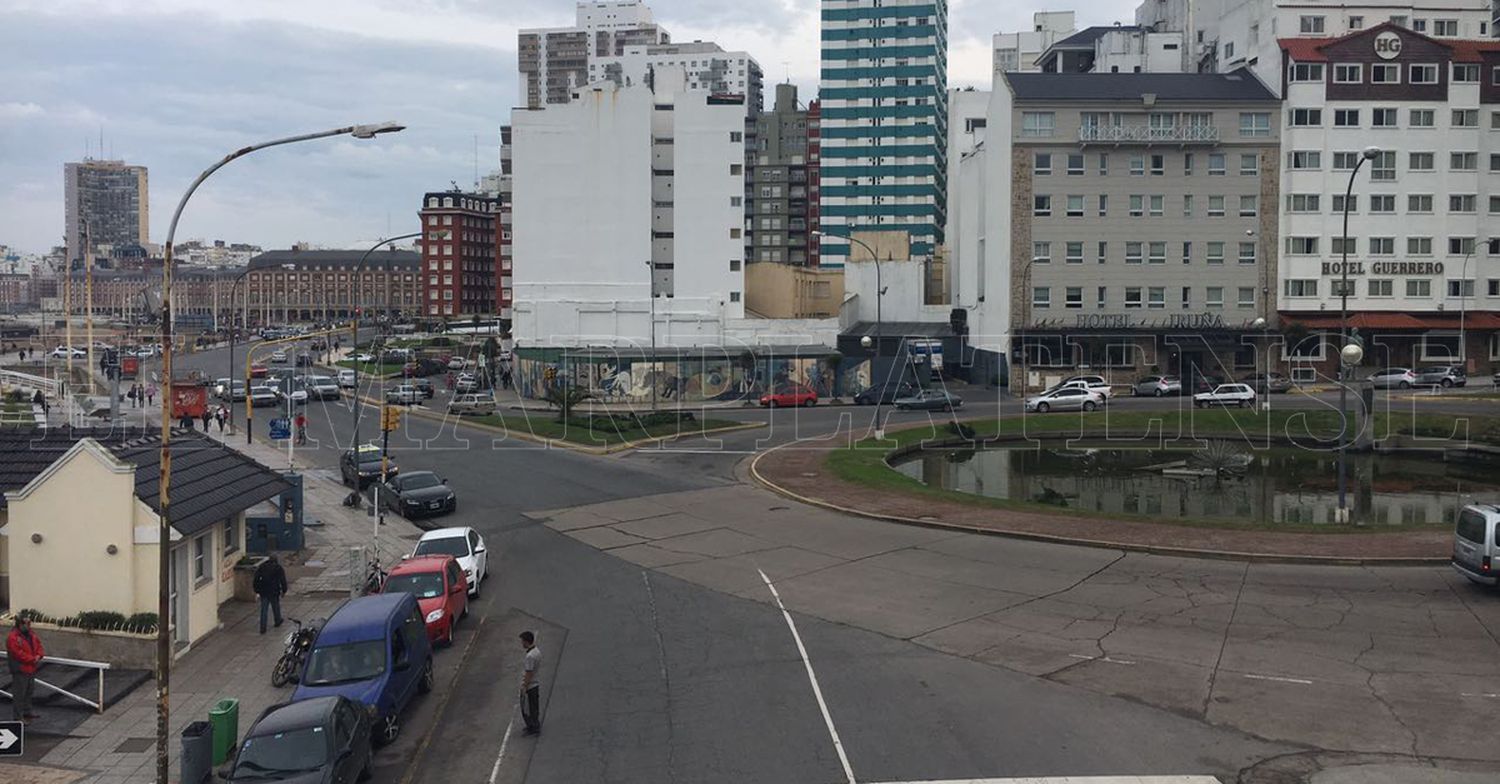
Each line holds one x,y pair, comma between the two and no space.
653,678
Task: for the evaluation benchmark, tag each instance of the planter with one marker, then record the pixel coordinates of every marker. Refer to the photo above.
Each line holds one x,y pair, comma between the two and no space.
244,577
125,650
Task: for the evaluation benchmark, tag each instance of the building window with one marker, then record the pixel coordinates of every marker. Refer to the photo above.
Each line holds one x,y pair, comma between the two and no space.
1465,72
1380,287
1419,246
1463,161
1103,205
1495,161
1383,166
1041,252
1419,203
1158,206
1422,118
1102,296
1187,297
1075,206
1248,206
1305,72
1385,73
1187,253
1344,245
736,169
1383,118
1187,205
1041,297
1304,159
1249,163
1073,297
1213,297
1301,287
1303,202
1420,161
200,558
1311,25
1422,73
1138,164
1137,205
734,265
1246,297
1215,253
734,296
1302,246
1345,118
1158,252
1158,165
1102,252
1465,118
1382,246
1156,297
231,535
1132,297
734,234
1133,251
1216,165
1043,163
1342,202
736,137
1462,202
1348,73
1073,252
1216,206
1247,253
1445,27
1460,246
1305,118
1075,163
1255,124
1383,203
1418,287
1103,164
1495,205
1041,206
1461,288
1036,124
1356,22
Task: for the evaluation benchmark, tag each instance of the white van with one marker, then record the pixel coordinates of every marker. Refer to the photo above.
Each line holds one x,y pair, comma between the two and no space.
1476,543
346,378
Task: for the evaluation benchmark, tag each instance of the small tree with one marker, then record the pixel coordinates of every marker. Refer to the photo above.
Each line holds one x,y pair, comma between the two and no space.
564,397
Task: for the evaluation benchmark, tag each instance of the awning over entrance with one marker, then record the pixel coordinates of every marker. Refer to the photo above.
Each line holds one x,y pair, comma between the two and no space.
1394,321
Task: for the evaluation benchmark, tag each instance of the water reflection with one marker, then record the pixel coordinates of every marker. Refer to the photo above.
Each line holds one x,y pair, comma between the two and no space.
1223,483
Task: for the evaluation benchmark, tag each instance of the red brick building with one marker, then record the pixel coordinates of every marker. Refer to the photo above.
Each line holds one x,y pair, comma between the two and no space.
461,255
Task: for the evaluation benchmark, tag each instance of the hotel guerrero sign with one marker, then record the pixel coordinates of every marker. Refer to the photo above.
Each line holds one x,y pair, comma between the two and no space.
1405,268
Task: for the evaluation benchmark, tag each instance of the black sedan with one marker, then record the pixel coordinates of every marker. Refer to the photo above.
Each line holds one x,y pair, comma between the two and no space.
889,392
930,400
363,468
419,494
318,741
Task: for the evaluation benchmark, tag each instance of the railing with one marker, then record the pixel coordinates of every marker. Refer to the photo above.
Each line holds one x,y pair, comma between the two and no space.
99,666
15,378
1129,134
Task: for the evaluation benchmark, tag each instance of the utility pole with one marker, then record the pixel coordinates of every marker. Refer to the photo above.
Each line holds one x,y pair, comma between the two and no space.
88,299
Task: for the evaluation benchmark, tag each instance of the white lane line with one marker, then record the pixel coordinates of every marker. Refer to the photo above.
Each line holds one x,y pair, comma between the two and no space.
504,742
1478,694
812,677
1078,780
1099,658
1278,680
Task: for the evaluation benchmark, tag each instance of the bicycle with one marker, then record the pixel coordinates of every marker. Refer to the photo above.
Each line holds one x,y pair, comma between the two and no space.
374,578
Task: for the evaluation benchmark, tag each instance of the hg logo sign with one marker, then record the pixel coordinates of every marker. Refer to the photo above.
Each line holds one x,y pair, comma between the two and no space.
1387,45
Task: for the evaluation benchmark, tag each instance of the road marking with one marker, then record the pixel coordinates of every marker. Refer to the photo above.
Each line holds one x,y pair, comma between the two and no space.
1078,780
1478,694
1099,658
812,677
442,707
504,742
1278,679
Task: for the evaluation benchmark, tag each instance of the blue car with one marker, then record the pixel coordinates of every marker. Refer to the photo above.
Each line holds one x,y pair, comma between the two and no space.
374,650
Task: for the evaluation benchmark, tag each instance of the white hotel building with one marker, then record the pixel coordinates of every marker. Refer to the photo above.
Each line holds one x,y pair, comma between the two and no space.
1418,278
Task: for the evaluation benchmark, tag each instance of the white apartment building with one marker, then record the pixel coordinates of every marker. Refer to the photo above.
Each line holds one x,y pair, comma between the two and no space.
1114,49
1019,51
707,65
617,179
1418,278
553,62
1224,35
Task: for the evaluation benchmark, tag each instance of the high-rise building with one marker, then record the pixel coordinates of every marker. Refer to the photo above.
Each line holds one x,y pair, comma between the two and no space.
1019,51
1114,49
707,66
884,115
777,185
460,254
111,197
554,62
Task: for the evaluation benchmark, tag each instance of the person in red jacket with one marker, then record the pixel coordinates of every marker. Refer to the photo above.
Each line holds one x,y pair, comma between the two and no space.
23,652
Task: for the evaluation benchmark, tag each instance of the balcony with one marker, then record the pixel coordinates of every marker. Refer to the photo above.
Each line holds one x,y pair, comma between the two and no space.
1147,135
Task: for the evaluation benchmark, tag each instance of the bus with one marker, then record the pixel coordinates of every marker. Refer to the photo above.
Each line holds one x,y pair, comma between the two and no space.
490,327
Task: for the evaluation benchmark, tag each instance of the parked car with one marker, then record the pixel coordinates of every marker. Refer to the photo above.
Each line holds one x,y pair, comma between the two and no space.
1442,376
456,363
419,494
361,467
373,650
1268,382
930,400
790,395
438,583
472,404
423,386
466,383
304,360
466,545
1156,386
1091,383
323,740
323,388
1476,543
1206,382
290,388
225,389
261,395
1226,395
1064,399
278,356
885,393
1393,378
346,378
364,357
61,352
404,394
259,371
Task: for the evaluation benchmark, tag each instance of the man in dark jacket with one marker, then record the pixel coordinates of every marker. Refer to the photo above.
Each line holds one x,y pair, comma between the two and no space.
23,651
270,586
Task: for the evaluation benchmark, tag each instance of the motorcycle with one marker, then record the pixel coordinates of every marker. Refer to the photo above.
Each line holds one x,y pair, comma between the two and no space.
299,642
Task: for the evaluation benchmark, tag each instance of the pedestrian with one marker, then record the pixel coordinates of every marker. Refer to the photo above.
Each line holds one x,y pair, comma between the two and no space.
531,684
221,415
132,395
270,586
23,652
301,424
207,417
151,395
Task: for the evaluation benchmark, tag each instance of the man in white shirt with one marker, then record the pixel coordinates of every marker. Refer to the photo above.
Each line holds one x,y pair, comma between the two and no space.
531,684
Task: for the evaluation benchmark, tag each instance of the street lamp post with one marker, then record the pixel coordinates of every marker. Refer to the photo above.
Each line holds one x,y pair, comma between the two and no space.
164,527
1349,354
651,266
354,337
1265,375
879,296
233,334
1463,303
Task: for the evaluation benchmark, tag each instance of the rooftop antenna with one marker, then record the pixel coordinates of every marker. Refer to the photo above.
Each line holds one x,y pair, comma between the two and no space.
101,140
476,163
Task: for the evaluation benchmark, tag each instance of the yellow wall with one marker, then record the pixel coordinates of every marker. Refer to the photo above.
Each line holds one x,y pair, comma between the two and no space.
893,245
777,290
81,509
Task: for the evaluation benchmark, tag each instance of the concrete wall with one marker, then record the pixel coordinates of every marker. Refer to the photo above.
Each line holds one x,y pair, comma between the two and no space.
119,649
785,291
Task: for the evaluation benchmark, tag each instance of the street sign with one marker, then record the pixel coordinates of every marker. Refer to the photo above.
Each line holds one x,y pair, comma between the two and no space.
12,738
390,418
281,427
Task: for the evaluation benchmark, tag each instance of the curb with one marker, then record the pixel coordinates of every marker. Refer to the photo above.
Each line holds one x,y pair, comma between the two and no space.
1184,552
1461,398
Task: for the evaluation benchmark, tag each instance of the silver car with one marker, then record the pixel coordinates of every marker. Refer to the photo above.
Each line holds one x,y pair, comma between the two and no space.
1442,376
1476,543
1064,399
1392,378
1157,386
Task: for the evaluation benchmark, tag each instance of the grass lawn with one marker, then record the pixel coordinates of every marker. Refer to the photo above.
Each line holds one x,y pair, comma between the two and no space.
545,425
864,463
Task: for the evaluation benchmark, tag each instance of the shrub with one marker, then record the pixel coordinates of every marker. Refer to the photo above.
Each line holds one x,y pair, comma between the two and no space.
101,620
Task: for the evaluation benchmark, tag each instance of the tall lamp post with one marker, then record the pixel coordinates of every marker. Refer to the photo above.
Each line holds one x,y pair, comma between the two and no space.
354,333
1463,302
233,334
651,267
1349,354
164,522
879,297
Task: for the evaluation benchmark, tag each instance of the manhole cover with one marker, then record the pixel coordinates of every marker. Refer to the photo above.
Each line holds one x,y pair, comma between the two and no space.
135,745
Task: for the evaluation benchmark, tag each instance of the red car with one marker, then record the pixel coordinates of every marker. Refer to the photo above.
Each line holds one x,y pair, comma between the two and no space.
790,395
438,583
258,371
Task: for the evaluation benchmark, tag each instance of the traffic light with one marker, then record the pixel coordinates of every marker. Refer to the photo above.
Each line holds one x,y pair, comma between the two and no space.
550,374
390,418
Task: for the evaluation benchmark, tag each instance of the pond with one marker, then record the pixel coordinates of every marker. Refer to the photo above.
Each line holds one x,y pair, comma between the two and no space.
1222,482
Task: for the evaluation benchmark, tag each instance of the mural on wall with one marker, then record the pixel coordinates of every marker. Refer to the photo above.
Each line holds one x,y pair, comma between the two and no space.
693,378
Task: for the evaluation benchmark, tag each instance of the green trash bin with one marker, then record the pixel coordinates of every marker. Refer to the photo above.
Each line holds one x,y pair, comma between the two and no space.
225,718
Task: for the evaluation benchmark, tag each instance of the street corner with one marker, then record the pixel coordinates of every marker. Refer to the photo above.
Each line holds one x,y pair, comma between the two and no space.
21,773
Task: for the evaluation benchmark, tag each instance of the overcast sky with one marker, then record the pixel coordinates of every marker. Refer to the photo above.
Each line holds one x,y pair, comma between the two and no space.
176,84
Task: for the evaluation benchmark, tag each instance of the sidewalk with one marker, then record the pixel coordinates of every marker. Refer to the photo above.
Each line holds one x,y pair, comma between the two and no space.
118,746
